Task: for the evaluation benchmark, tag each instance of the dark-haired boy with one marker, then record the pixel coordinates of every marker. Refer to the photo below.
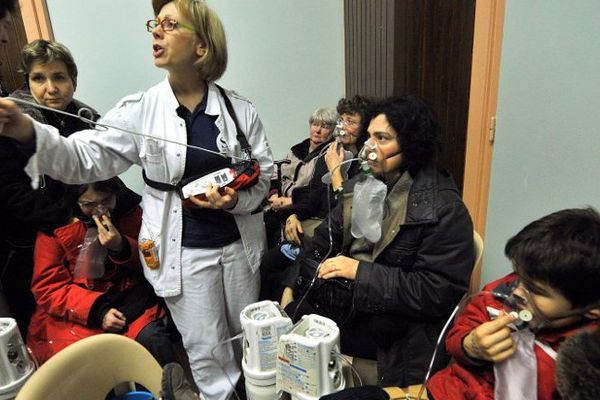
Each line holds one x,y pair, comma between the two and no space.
556,260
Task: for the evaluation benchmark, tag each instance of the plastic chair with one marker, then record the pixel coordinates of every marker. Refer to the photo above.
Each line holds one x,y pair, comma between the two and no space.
90,368
476,274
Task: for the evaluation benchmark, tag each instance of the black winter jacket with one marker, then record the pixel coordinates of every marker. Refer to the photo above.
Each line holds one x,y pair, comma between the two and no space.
23,209
311,201
411,288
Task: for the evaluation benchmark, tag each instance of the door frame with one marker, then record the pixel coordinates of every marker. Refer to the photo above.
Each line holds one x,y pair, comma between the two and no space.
36,20
483,100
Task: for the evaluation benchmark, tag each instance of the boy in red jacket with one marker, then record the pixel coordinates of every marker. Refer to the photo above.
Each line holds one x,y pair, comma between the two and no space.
505,342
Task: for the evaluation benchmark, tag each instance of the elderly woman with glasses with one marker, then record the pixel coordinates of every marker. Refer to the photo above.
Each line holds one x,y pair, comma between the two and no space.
88,278
202,254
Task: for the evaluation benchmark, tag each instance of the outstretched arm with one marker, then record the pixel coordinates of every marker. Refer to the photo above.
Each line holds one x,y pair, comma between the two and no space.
15,124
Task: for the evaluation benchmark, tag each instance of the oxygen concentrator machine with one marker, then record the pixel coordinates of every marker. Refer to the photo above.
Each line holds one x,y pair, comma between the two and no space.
15,364
308,366
262,324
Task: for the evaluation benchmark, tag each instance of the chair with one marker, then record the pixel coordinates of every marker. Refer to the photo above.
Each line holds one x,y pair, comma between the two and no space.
91,367
476,274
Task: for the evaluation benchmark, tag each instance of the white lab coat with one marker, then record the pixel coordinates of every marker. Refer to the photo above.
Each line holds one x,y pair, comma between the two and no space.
89,156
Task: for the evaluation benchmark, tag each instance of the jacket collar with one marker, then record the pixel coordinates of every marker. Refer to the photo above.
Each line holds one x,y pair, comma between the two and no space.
169,97
301,149
213,102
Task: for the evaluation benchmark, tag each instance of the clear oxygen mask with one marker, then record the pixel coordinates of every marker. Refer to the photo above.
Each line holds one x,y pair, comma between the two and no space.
338,131
369,151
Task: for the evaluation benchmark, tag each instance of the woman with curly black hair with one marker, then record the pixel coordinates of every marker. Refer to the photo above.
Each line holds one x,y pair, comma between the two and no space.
400,289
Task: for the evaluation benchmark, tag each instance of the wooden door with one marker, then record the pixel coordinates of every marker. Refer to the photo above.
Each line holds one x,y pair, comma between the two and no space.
10,55
422,47
28,23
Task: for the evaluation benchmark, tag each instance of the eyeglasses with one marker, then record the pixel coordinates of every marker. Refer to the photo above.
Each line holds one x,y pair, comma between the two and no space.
93,204
347,122
166,25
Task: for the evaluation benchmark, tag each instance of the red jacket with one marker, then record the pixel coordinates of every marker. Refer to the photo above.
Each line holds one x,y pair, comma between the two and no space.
467,380
63,302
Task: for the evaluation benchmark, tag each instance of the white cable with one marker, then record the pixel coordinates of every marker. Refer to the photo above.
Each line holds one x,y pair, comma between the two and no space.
437,345
105,127
212,352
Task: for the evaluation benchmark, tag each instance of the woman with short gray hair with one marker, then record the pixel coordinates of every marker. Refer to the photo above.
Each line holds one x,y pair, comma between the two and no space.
298,172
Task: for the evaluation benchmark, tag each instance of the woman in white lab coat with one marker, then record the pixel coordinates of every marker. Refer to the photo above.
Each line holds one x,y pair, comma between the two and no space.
208,255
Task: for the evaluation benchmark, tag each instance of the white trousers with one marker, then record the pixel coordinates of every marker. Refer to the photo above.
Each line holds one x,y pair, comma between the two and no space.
216,285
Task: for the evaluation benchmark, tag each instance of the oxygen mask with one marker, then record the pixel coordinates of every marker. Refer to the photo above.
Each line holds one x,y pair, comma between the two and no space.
518,306
99,210
338,131
368,153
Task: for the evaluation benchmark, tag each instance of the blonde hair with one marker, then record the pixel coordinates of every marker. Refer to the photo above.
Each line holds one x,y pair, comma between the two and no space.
210,31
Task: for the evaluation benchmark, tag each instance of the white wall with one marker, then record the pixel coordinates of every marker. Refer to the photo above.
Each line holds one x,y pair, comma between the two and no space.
547,150
287,56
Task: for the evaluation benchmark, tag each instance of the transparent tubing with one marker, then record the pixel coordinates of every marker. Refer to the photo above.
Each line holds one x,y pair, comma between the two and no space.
316,274
239,336
352,368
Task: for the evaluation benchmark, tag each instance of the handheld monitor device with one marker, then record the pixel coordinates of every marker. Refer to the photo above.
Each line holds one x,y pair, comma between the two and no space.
238,176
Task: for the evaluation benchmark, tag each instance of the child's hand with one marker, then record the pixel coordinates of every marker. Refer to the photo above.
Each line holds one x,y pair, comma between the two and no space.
491,341
113,321
108,235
